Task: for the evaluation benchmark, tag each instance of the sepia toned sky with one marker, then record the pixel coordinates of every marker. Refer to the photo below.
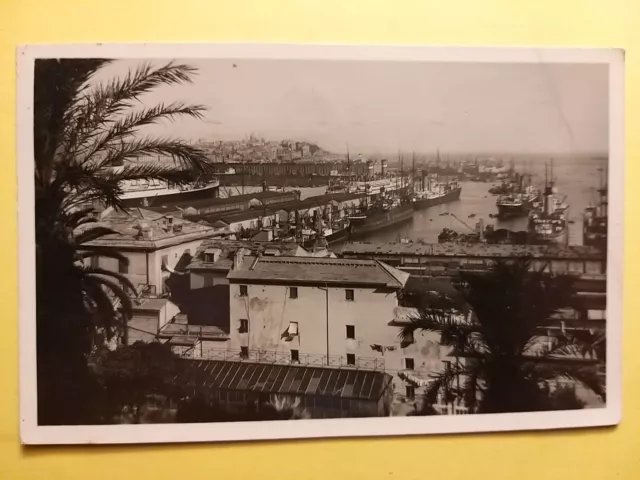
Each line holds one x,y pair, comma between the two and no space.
383,107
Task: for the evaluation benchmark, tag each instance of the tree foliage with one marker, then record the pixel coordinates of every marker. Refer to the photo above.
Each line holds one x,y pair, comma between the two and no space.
79,130
131,376
505,364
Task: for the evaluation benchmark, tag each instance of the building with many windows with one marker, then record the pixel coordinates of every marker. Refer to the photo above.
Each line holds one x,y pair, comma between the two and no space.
329,309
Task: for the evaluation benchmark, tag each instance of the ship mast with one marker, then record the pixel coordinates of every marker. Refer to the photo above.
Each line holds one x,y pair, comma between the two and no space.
413,173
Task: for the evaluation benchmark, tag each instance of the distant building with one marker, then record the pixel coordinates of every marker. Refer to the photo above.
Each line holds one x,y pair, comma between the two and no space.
154,244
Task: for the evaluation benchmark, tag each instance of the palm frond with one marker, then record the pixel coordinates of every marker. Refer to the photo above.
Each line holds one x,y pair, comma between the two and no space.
183,155
126,283
101,281
79,215
111,99
122,128
106,253
105,308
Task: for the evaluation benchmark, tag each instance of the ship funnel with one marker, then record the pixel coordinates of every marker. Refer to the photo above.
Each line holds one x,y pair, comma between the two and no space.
383,167
370,168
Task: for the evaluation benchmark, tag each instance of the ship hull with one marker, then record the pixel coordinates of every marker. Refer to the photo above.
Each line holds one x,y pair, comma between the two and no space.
519,210
171,197
594,238
341,235
378,221
450,196
558,238
513,211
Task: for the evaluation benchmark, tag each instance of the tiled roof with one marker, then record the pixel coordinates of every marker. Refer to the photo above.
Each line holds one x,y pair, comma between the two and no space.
290,379
161,228
318,270
473,250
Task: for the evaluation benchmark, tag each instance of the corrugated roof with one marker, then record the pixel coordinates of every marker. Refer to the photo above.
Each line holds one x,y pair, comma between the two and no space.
291,379
475,250
318,270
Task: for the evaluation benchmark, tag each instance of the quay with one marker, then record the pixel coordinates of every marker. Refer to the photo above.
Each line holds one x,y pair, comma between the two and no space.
433,259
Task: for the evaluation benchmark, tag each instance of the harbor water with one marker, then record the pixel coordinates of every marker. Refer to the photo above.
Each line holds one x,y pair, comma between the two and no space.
577,180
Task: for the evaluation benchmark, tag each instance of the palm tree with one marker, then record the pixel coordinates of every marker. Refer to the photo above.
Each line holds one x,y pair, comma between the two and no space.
503,364
79,131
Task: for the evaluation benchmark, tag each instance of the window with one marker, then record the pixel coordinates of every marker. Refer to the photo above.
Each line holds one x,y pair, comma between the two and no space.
165,260
243,291
409,364
123,266
411,392
351,359
348,295
447,366
295,356
293,329
407,340
351,331
244,326
244,352
293,292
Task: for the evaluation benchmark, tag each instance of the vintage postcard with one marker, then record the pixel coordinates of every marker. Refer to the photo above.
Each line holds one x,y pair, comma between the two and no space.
242,242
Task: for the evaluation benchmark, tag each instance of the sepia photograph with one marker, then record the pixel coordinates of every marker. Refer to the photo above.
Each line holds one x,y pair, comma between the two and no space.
244,242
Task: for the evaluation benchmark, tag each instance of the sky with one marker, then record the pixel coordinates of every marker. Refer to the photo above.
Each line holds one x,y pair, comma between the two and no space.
382,107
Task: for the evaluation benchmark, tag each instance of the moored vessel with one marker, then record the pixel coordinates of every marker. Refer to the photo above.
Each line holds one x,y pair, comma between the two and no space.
595,220
381,215
519,203
548,221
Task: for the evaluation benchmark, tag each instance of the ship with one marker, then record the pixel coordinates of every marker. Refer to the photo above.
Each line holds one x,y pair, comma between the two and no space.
548,221
156,193
519,203
381,215
328,230
595,221
431,193
437,194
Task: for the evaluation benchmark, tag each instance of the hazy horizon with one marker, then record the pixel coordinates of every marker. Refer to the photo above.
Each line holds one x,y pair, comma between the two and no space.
385,107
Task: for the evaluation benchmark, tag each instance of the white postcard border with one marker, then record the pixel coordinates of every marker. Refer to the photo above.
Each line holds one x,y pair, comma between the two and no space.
32,433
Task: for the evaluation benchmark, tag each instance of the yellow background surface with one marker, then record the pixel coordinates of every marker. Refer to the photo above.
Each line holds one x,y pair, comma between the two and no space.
585,454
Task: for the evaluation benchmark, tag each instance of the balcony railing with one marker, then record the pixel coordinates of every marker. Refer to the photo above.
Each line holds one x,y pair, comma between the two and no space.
284,358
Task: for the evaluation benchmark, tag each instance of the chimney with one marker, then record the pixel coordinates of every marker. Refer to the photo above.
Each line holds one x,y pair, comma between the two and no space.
238,259
145,230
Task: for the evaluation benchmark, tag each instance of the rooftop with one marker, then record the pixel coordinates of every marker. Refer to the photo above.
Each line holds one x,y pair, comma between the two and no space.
150,304
473,250
318,270
291,380
162,230
228,248
184,330
245,198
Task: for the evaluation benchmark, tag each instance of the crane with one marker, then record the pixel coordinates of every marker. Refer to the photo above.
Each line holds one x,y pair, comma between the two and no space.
462,222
